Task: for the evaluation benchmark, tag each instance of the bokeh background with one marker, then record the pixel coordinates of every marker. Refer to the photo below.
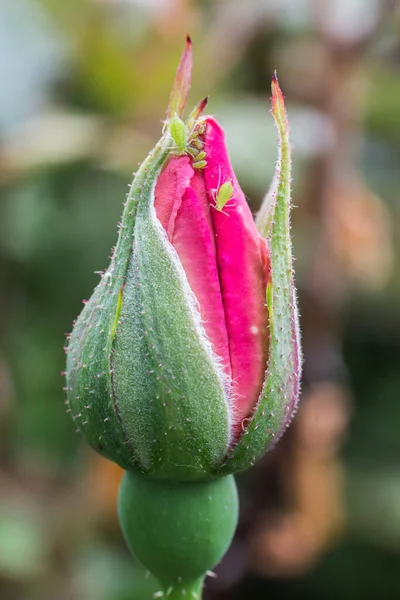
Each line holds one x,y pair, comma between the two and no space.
84,88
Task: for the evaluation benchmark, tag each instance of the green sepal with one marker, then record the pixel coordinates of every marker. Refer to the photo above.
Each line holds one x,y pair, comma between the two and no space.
169,384
279,396
182,81
90,396
143,384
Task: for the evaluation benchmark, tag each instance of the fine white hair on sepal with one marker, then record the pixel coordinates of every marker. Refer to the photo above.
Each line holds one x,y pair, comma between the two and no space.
193,305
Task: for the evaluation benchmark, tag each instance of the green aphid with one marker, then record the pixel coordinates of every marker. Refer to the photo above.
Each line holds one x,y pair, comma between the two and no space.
193,152
197,143
199,164
223,195
178,131
186,141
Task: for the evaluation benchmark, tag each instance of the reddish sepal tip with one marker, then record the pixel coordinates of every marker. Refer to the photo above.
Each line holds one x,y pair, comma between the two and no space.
204,102
277,100
181,85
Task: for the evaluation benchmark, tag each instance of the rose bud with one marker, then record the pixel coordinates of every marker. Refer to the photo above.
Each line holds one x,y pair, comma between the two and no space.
185,362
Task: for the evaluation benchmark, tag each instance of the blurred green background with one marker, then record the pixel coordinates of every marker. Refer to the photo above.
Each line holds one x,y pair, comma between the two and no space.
84,88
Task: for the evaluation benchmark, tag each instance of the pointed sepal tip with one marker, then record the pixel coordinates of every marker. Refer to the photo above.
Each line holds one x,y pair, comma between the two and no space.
278,109
182,81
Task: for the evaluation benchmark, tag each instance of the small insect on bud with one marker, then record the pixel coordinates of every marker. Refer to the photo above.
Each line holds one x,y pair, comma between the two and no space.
223,195
178,131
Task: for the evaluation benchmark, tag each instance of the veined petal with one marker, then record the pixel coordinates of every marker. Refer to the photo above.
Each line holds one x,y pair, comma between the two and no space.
185,216
170,187
243,273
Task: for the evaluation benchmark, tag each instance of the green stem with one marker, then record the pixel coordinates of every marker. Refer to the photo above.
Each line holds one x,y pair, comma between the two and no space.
185,591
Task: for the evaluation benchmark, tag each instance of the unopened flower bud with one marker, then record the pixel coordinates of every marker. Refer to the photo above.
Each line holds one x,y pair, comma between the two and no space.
185,362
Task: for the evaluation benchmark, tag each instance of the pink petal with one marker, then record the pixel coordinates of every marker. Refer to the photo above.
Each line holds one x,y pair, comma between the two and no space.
243,271
226,262
171,185
185,214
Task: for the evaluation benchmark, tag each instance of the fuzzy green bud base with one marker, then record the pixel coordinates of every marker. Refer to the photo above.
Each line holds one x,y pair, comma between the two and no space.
178,530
